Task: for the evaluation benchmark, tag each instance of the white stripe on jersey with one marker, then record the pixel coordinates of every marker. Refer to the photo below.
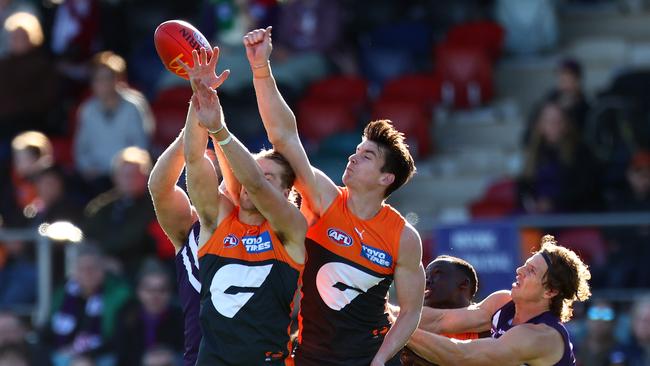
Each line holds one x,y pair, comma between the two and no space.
194,247
188,268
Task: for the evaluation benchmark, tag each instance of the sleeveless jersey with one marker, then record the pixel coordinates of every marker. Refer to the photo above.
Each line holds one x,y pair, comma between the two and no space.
248,285
502,322
349,268
189,289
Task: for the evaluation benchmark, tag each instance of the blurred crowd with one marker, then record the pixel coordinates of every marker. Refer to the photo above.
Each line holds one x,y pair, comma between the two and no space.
79,131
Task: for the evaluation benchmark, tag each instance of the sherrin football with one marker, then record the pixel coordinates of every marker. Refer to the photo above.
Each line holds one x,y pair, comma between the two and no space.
175,40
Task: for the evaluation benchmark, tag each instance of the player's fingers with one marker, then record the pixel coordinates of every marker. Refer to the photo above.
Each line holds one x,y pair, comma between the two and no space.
185,66
195,58
204,56
215,56
267,33
221,78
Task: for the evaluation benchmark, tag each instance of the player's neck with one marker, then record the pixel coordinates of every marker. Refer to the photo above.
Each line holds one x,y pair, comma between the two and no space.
524,311
250,217
363,204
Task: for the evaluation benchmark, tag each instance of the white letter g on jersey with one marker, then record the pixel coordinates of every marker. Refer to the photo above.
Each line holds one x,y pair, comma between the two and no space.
339,283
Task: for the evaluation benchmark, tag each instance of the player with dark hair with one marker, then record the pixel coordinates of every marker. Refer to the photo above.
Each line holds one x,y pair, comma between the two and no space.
356,244
526,322
451,283
251,255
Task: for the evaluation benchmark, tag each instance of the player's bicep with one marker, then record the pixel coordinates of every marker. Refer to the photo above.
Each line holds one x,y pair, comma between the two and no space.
313,185
522,344
175,214
203,187
409,273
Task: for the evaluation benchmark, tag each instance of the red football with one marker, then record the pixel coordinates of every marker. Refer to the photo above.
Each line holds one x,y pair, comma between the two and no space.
175,40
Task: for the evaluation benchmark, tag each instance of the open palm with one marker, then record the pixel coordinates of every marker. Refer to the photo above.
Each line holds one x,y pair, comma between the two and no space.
207,106
204,70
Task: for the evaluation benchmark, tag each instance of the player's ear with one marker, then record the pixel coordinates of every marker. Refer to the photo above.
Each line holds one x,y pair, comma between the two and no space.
386,179
550,293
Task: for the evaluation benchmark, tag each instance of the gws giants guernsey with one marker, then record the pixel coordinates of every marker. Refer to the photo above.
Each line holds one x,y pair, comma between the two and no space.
248,285
349,268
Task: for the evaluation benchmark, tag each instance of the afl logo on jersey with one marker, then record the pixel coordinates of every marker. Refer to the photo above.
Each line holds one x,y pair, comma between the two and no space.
339,237
230,241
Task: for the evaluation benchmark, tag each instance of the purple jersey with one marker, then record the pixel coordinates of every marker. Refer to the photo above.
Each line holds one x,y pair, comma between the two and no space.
502,322
189,290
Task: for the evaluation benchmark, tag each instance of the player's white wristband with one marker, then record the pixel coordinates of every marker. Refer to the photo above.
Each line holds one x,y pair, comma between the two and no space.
225,141
217,130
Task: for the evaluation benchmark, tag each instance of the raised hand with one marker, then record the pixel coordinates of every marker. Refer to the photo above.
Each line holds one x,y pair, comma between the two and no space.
204,70
258,47
207,106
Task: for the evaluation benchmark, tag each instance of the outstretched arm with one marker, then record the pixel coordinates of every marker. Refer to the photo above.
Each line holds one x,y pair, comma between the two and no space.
409,283
279,121
173,209
285,219
524,344
474,318
202,179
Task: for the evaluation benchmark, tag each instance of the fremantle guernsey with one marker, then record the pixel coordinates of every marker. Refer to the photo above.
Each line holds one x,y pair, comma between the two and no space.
189,289
349,268
248,285
502,322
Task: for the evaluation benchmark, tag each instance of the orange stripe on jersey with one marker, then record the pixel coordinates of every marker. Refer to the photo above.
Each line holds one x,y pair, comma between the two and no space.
462,336
372,243
251,243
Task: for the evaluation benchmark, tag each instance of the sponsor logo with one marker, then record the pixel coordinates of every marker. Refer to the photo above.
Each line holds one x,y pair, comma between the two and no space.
257,243
230,241
339,237
360,233
376,256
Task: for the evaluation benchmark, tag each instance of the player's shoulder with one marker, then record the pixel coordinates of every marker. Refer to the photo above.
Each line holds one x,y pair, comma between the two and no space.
535,335
410,235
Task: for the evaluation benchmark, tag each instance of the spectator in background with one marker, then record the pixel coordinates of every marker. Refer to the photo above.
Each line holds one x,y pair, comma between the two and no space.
85,310
159,356
52,202
13,333
569,95
120,219
31,153
629,254
600,347
150,321
17,275
559,169
113,118
29,88
13,356
8,8
638,352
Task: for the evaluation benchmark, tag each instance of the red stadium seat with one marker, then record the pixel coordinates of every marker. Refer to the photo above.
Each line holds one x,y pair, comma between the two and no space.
423,88
410,117
318,119
176,95
499,200
588,243
170,119
484,34
350,90
465,73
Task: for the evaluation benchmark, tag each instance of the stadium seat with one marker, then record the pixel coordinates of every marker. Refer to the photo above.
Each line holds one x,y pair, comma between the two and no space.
423,88
410,117
588,243
350,90
170,119
465,73
497,201
175,95
487,35
318,119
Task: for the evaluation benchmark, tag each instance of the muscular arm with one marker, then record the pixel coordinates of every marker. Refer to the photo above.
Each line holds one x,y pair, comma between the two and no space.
230,183
530,344
409,282
317,190
173,209
474,318
202,179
